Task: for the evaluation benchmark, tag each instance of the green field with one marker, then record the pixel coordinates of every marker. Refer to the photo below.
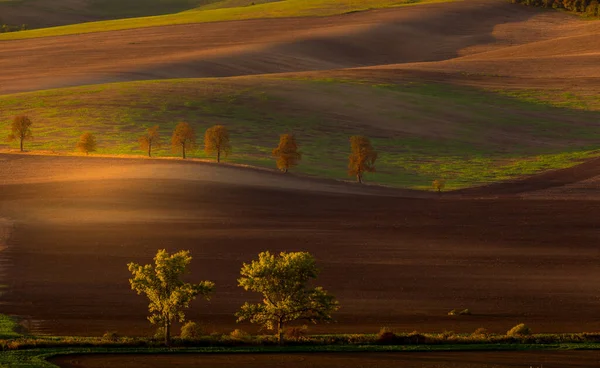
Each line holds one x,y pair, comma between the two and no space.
422,131
280,9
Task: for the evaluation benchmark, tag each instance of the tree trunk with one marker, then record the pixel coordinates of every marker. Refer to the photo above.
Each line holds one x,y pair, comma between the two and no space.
359,178
183,149
280,332
285,170
21,144
218,156
149,149
167,333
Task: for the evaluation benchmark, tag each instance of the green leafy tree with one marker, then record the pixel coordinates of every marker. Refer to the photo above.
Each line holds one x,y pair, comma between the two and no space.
283,282
87,143
183,139
216,139
167,292
287,153
20,130
362,157
150,140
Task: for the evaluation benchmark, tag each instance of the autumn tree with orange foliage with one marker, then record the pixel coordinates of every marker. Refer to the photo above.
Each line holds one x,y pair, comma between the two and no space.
362,157
184,138
287,153
20,130
150,140
216,140
87,143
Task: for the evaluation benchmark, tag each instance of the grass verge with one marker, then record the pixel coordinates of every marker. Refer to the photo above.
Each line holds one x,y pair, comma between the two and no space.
37,358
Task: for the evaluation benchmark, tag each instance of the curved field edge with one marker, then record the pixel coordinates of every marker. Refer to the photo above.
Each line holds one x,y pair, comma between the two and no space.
423,131
282,9
38,358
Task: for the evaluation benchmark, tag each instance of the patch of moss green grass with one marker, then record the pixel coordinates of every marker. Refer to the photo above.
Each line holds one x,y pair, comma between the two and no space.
280,9
422,131
9,327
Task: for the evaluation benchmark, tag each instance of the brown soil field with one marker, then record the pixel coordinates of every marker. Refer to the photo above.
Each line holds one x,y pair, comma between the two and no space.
481,38
550,359
391,260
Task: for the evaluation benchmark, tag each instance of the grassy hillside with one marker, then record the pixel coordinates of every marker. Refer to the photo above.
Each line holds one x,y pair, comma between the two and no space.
423,131
280,9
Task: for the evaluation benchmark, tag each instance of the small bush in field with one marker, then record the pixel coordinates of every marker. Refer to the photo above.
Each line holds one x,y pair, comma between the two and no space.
360,339
456,312
519,330
110,336
191,330
296,332
446,335
238,334
386,336
480,332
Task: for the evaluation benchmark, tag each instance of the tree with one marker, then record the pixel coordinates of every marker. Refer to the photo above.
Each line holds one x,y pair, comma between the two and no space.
20,130
150,139
163,286
87,143
287,297
216,139
184,138
362,157
287,152
439,185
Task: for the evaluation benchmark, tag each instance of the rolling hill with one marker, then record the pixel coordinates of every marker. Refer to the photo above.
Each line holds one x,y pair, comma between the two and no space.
473,91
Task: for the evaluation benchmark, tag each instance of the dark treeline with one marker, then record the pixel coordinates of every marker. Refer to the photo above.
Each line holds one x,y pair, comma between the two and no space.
5,28
588,7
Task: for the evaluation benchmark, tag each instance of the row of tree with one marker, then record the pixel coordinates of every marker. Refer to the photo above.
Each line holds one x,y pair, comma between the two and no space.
216,141
589,7
282,280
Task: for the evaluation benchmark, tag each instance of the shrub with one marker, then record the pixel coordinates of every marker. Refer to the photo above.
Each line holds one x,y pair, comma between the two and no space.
386,336
296,332
415,338
110,336
241,335
456,312
446,335
519,330
191,330
360,339
480,332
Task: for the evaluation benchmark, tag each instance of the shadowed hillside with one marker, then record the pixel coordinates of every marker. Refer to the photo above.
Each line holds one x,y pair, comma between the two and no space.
423,33
48,13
